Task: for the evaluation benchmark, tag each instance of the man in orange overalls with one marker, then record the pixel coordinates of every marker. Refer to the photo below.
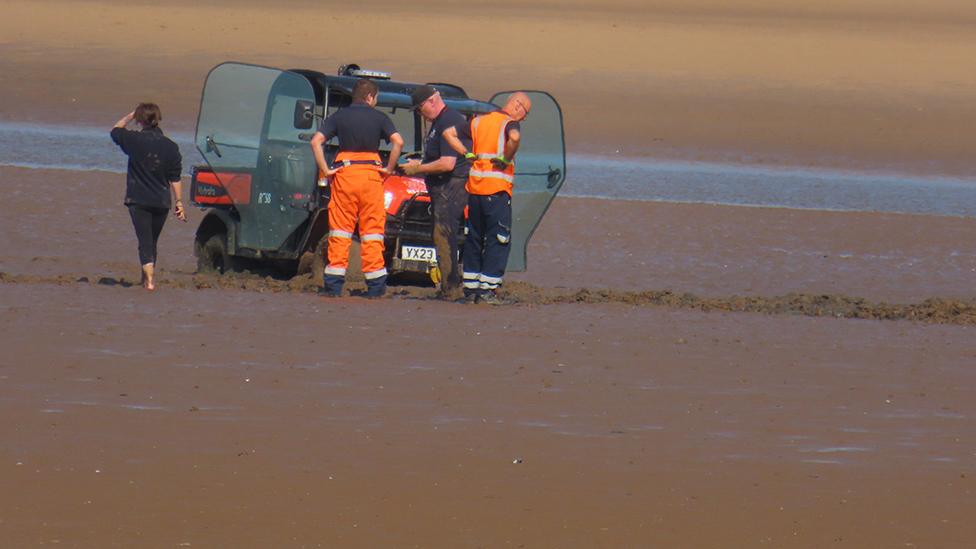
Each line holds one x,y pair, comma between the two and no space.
357,186
495,140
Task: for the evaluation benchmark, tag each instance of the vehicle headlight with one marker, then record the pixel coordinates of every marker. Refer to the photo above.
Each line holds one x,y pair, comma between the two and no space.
387,200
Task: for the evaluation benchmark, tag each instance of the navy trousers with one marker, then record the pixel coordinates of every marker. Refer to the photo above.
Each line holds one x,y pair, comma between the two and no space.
487,244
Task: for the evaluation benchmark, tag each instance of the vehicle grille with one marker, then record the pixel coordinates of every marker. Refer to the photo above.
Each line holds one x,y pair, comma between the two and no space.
416,219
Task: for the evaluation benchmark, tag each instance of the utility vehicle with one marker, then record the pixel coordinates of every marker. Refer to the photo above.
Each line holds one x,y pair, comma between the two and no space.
260,182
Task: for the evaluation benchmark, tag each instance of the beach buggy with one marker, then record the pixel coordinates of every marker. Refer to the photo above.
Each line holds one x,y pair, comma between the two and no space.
260,182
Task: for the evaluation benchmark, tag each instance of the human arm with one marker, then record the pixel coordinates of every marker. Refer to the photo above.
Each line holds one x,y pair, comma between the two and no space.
441,165
124,121
452,139
119,132
395,151
512,144
444,163
174,174
318,140
512,141
176,189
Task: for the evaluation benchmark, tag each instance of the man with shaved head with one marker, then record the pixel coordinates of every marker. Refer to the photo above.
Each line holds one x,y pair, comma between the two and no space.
495,140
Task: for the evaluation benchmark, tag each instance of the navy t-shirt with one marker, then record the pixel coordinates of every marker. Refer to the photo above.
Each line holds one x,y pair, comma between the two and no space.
435,146
154,161
359,127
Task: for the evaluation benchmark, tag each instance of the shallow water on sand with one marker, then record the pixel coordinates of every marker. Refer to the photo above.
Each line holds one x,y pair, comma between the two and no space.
89,148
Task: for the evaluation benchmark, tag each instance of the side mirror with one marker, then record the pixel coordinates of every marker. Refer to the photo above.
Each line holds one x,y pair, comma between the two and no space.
303,114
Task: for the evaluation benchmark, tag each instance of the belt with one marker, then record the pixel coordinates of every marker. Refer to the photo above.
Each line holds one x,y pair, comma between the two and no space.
344,163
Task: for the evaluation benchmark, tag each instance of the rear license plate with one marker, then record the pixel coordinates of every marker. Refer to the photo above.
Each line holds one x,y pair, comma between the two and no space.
418,253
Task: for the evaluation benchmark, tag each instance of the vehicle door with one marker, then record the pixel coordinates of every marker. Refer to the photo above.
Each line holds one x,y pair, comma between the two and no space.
257,121
540,169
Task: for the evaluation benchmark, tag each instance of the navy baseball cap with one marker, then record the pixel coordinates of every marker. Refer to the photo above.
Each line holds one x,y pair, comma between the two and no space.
421,94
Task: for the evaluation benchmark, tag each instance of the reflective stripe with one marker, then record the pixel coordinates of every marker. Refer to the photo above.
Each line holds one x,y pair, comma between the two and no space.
487,286
473,285
500,149
472,276
375,274
335,233
340,271
497,175
487,156
368,237
346,163
491,279
501,136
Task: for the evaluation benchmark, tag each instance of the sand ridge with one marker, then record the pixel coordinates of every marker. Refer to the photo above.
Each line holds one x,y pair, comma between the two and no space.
935,310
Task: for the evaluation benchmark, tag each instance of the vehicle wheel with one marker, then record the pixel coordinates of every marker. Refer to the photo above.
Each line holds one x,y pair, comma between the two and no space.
212,256
313,261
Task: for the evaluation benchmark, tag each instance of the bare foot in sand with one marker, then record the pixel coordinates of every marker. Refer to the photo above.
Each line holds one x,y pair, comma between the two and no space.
148,281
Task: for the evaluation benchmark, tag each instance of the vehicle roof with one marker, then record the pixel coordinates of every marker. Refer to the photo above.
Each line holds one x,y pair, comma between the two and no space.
394,93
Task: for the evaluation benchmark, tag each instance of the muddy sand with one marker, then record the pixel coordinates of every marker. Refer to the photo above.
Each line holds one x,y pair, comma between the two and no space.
606,409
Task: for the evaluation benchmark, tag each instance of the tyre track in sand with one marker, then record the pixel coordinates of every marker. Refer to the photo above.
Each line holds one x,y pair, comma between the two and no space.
933,310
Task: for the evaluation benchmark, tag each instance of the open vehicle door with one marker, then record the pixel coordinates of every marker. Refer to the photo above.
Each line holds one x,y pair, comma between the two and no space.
253,131
540,169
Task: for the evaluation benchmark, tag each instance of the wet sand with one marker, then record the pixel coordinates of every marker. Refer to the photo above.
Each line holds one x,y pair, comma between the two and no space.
621,403
710,251
242,411
176,419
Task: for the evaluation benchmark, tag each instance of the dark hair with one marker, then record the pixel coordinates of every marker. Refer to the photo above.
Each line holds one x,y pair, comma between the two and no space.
364,87
148,114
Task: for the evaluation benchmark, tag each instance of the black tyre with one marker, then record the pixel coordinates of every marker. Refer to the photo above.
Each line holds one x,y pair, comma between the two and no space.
212,256
313,261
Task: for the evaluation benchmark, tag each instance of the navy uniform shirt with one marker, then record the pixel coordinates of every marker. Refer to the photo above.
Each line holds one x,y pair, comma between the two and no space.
435,146
154,161
359,127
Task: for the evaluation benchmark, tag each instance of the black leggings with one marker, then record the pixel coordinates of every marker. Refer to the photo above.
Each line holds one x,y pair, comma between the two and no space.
148,223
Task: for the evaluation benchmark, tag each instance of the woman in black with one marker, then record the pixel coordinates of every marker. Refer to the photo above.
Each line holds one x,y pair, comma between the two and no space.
155,168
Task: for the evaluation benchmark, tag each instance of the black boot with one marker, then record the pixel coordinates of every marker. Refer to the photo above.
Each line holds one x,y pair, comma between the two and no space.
376,287
332,285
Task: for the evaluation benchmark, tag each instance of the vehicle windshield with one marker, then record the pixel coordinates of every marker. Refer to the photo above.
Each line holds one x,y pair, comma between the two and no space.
403,118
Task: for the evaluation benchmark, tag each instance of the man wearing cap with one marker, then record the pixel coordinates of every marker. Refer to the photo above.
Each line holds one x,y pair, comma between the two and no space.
445,173
357,187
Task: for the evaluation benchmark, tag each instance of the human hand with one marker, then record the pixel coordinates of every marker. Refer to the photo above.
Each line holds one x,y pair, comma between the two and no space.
411,167
500,163
179,212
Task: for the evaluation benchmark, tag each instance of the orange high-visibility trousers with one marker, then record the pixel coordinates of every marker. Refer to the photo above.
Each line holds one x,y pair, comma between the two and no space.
357,195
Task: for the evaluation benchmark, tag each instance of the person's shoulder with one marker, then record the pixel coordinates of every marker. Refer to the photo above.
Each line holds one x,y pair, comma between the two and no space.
453,116
450,117
378,114
122,132
173,145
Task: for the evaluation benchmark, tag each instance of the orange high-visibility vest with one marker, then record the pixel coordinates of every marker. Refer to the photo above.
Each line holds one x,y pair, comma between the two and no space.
488,136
